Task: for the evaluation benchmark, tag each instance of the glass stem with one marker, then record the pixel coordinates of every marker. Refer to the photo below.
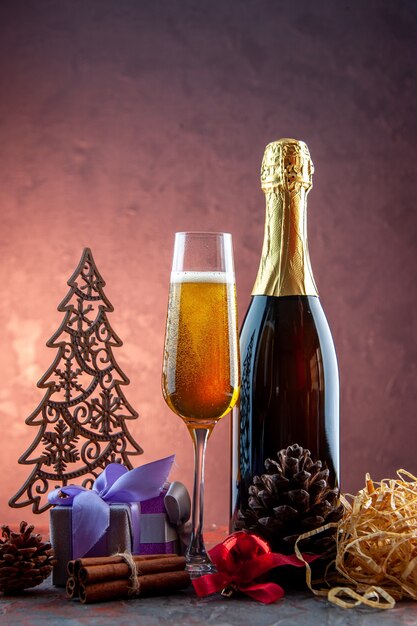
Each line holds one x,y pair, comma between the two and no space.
196,552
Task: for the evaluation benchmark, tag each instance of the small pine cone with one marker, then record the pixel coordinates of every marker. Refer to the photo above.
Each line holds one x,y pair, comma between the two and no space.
25,560
292,498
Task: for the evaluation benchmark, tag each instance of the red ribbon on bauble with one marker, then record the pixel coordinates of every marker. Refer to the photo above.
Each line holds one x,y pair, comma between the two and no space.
240,560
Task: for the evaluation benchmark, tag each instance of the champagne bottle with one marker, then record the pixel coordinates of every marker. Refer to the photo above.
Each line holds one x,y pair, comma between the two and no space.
290,382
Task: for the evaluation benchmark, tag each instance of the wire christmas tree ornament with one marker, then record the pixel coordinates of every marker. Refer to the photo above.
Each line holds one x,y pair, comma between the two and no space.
82,417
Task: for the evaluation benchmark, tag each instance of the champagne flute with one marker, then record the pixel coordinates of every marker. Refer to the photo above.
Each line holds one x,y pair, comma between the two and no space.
200,377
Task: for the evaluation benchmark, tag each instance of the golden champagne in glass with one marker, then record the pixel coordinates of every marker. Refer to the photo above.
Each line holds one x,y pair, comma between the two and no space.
200,378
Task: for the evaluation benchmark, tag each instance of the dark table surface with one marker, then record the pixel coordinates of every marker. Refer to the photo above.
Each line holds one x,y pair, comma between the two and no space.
47,605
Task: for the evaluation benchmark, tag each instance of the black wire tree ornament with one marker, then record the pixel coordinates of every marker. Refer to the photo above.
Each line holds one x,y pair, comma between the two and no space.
81,418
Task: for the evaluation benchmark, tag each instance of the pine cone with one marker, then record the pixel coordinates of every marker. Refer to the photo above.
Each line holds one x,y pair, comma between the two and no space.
25,560
291,499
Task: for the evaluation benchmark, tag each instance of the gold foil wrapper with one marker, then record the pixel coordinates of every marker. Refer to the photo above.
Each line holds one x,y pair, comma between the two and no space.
286,178
287,164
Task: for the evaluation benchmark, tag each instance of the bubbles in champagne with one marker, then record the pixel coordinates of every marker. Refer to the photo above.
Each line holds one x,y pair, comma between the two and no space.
203,277
201,346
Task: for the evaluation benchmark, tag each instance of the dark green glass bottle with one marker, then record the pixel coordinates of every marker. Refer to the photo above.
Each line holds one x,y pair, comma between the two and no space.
290,382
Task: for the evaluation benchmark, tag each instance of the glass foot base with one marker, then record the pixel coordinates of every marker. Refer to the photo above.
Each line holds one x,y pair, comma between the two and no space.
200,568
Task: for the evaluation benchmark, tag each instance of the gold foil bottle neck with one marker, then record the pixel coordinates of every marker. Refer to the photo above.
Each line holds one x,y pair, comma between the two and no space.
286,163
286,178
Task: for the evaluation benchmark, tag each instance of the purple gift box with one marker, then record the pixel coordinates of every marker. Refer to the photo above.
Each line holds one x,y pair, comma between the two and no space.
150,526
157,535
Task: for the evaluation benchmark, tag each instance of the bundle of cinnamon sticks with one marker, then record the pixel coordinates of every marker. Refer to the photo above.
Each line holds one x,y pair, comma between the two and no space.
97,579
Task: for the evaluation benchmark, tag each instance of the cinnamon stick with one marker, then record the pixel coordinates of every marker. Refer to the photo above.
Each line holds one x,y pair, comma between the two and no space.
114,571
74,566
152,584
72,587
158,584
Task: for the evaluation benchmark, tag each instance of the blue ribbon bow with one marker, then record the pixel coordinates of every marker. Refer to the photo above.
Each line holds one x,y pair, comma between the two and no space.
116,484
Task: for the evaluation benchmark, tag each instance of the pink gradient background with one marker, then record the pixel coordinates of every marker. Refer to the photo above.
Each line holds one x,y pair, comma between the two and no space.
123,122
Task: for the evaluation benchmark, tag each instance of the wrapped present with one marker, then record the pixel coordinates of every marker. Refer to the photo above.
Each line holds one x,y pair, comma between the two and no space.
134,510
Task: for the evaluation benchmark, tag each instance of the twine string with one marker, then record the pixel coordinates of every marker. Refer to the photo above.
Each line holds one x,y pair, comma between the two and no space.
135,572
